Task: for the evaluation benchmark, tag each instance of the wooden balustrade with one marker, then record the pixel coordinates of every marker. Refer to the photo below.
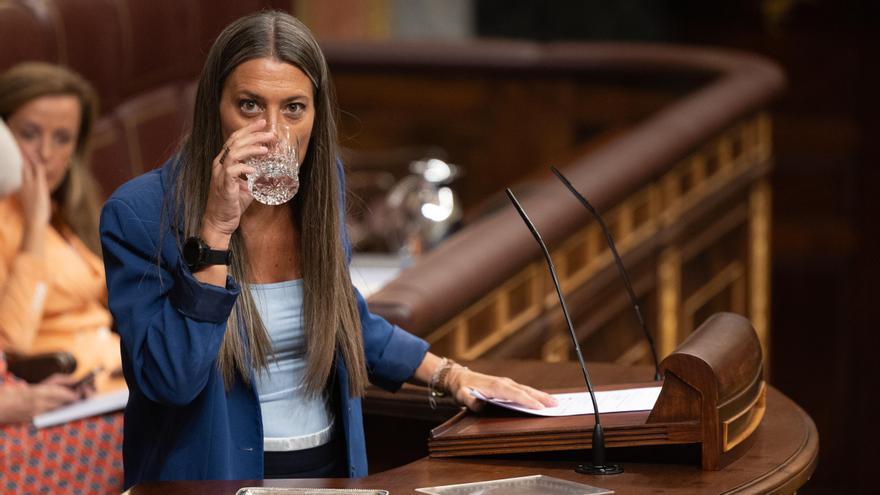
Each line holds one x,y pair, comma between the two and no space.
672,144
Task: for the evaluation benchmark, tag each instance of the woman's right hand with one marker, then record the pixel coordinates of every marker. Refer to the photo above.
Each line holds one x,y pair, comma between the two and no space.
20,402
36,205
53,392
228,195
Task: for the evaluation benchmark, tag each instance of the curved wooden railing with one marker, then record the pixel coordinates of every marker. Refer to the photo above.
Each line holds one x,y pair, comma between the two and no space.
675,186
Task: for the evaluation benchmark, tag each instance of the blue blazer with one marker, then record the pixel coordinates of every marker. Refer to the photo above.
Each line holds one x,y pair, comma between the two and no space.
180,422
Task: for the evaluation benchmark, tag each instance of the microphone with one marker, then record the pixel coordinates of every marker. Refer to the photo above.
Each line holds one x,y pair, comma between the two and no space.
620,267
598,466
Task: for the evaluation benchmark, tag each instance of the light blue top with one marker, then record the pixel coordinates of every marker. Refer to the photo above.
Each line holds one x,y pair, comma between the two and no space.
292,419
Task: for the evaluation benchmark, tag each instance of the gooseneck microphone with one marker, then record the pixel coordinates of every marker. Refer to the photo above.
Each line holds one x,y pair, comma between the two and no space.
598,465
620,268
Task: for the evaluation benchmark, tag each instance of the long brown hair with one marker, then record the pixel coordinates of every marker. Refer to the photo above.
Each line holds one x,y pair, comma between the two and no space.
78,196
330,314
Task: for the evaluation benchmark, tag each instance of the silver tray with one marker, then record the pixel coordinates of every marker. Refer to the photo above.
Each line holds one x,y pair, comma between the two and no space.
254,490
525,485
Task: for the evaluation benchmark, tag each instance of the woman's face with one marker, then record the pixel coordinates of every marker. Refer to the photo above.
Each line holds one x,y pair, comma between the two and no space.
46,130
269,89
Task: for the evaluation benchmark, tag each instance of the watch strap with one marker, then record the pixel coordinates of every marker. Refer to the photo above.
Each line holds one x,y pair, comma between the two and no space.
216,257
197,254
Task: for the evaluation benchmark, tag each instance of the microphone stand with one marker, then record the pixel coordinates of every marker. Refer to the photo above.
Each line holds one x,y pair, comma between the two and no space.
620,268
598,466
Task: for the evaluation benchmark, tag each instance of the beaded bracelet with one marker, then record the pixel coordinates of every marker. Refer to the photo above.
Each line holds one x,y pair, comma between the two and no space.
438,386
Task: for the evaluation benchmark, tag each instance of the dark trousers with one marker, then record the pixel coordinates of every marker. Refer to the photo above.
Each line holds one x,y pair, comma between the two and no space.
323,461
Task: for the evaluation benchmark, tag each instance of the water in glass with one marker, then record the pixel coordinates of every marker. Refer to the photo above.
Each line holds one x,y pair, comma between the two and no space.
276,177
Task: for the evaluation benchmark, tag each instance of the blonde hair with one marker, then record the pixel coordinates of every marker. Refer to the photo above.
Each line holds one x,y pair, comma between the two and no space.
78,196
331,318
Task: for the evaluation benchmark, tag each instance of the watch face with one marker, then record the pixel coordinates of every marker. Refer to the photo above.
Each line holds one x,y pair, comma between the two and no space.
192,252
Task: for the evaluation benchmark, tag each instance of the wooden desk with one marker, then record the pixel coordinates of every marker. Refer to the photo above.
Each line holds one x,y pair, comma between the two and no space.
781,460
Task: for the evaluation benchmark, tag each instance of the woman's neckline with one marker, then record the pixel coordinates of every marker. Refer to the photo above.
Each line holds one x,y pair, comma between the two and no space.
277,285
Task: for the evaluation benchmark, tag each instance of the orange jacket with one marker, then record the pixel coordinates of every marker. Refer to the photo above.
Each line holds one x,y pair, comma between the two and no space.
56,302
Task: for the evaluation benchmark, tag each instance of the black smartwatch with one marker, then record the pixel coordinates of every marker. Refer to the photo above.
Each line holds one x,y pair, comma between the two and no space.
197,255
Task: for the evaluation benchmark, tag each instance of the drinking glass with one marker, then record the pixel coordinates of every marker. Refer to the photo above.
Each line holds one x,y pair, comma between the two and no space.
276,174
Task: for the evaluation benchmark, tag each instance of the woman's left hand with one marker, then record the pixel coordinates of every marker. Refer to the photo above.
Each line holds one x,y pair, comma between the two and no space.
461,380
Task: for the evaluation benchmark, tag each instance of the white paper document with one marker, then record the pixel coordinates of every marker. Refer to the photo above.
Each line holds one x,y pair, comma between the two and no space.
93,406
372,271
609,401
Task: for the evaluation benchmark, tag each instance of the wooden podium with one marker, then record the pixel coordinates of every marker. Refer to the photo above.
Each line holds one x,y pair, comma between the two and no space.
780,461
713,395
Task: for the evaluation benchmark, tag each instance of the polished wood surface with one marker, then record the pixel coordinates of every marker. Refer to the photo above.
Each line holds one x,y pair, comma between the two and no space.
781,459
713,394
689,206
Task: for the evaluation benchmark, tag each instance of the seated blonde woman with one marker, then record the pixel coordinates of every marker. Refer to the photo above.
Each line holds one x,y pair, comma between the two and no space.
52,289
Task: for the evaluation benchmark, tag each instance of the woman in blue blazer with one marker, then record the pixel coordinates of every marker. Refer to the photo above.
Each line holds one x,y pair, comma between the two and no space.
245,347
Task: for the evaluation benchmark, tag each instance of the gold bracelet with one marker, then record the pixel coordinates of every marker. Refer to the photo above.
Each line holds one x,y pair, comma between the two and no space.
437,386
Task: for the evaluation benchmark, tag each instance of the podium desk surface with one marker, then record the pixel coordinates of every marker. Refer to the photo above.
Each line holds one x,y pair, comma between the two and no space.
782,458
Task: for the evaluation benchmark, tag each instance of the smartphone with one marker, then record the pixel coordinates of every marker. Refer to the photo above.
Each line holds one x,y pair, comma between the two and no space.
86,380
